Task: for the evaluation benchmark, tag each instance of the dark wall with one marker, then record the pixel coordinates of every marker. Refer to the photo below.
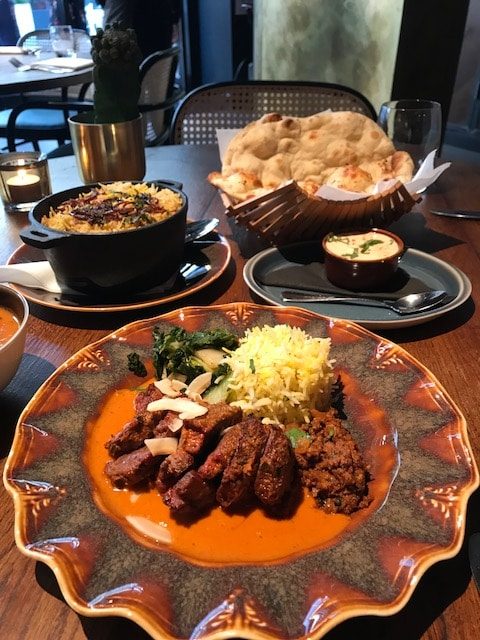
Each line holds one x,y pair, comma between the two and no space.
429,47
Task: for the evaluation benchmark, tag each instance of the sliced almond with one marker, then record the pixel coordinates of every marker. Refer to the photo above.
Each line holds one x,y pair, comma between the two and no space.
175,424
161,446
165,385
179,405
199,384
178,385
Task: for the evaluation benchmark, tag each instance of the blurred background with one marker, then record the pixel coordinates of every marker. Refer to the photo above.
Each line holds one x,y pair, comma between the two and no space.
386,49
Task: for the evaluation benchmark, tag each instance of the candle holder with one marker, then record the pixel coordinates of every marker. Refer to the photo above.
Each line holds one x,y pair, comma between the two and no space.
24,180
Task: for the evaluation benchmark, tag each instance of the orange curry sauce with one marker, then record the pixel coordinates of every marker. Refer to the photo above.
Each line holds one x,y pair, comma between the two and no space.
9,324
216,538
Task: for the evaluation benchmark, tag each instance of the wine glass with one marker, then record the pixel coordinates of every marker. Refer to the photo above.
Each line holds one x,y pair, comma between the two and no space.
62,39
412,125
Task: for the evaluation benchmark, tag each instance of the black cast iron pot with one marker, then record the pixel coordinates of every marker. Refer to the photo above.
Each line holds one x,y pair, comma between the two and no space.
110,263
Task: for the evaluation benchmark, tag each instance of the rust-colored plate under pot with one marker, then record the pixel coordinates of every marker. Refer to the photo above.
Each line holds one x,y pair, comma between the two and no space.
245,575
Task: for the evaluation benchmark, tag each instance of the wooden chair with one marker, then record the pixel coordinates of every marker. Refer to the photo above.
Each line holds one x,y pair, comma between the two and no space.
232,105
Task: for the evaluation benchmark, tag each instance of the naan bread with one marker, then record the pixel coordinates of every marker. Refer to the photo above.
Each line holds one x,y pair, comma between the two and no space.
342,148
240,185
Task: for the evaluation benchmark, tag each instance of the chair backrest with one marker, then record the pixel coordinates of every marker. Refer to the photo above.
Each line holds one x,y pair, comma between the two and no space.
158,93
232,105
41,38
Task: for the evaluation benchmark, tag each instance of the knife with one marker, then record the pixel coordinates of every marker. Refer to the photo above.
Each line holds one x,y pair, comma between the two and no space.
474,556
457,213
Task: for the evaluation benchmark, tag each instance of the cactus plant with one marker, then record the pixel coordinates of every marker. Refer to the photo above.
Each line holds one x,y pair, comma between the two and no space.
116,57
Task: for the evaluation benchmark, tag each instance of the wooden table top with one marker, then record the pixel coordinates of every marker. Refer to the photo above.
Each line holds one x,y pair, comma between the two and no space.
445,604
13,81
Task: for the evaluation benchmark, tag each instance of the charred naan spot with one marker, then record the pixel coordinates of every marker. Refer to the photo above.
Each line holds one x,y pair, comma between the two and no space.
271,117
287,123
374,134
313,134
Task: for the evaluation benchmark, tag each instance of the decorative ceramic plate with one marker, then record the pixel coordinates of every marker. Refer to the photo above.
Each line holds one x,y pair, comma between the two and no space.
265,274
204,262
245,575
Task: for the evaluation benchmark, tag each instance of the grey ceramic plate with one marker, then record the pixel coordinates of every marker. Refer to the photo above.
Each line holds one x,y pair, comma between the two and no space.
432,272
245,575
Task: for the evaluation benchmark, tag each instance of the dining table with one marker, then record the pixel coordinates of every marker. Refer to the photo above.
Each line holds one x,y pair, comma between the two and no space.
445,604
13,81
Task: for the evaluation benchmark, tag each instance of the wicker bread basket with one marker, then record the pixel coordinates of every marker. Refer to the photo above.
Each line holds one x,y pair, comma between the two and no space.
289,214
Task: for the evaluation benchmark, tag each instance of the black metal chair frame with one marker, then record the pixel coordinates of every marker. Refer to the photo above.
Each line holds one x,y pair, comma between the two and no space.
176,92
276,85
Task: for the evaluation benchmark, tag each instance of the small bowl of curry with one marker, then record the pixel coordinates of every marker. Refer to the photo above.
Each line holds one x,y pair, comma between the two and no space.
13,327
362,260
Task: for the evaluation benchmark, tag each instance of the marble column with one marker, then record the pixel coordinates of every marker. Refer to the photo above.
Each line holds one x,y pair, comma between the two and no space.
349,42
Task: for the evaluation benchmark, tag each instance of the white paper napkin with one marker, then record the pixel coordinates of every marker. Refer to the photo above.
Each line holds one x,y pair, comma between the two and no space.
71,63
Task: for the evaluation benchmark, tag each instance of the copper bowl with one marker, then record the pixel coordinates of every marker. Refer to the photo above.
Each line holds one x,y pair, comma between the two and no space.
11,351
365,274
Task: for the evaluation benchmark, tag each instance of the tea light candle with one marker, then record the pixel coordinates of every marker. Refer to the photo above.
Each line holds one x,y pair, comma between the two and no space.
24,187
24,180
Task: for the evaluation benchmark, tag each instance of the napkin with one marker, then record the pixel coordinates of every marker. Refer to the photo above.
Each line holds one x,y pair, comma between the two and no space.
312,277
72,63
11,50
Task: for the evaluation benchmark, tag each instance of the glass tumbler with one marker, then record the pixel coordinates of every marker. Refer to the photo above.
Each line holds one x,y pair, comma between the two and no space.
414,126
62,40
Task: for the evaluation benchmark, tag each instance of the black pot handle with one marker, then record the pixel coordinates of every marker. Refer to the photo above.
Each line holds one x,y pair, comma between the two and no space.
42,239
172,183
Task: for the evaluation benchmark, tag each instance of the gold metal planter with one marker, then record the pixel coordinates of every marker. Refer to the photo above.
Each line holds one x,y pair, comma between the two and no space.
108,151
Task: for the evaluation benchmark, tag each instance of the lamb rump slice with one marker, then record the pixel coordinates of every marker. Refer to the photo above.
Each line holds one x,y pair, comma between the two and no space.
131,437
141,427
191,494
238,478
197,433
131,468
217,461
276,468
172,469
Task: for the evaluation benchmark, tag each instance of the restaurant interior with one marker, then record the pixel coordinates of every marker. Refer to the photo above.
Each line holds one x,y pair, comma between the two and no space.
239,257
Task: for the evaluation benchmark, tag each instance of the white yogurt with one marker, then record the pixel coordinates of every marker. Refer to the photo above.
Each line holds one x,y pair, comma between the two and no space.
362,247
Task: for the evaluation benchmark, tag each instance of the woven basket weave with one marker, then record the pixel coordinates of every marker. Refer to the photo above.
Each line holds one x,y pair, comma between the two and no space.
289,214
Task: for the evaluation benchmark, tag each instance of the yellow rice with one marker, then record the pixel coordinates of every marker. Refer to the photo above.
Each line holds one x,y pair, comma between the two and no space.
126,201
280,373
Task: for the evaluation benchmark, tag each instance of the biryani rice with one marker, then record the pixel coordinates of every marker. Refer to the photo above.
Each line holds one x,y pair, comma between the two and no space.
280,373
119,206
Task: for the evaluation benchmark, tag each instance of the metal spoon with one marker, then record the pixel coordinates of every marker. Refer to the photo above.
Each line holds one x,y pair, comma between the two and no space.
412,303
199,228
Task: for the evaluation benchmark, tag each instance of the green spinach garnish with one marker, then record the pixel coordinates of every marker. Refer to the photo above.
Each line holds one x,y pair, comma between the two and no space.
174,351
136,366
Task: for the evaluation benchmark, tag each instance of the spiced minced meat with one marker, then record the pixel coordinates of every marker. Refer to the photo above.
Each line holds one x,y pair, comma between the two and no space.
331,466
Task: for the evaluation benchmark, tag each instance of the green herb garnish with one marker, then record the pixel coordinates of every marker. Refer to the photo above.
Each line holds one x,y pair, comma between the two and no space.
252,365
295,435
136,366
365,246
331,434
